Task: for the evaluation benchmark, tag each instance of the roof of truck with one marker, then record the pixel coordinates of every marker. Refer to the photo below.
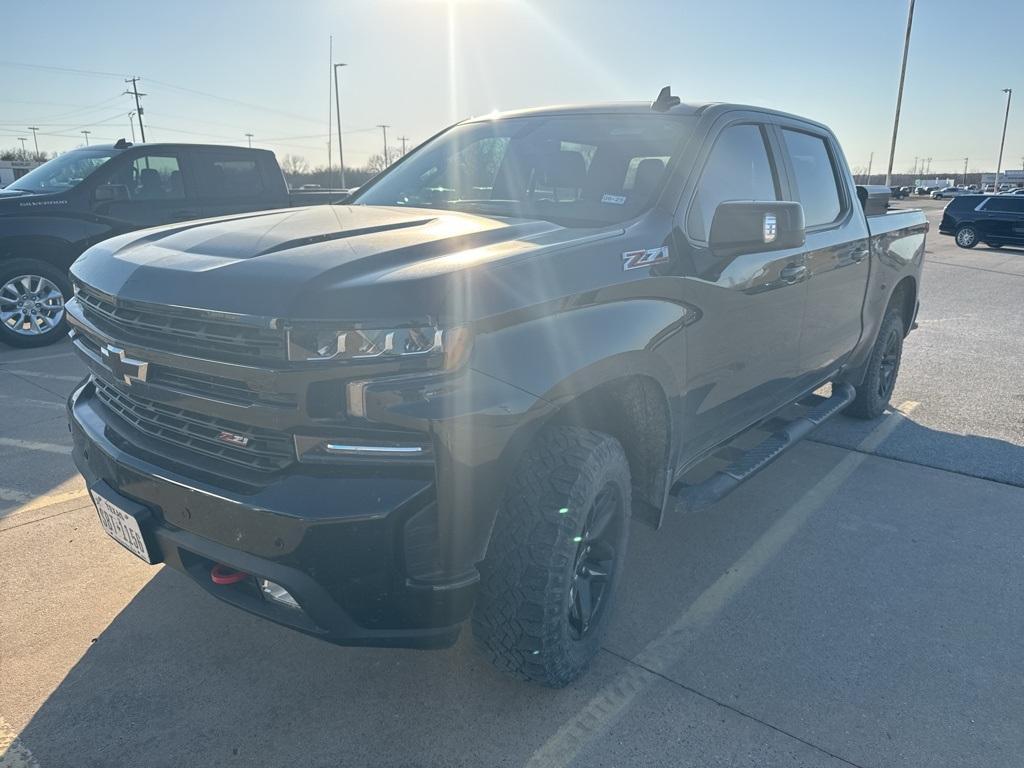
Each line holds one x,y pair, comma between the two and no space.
637,108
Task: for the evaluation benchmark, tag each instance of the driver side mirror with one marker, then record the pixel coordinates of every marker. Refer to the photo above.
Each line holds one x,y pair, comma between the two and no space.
106,193
742,227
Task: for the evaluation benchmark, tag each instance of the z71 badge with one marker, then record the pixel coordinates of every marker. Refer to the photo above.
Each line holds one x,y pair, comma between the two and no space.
637,259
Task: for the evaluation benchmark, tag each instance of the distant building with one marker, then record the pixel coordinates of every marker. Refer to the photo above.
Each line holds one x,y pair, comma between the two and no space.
15,169
928,183
1009,176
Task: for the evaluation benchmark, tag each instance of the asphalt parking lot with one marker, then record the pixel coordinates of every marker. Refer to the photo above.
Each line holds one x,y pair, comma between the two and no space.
858,603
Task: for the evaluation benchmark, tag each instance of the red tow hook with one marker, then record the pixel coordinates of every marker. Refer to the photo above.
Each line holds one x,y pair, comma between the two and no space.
221,574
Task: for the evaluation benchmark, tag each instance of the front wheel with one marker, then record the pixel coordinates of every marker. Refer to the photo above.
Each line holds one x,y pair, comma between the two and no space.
874,392
967,236
32,296
555,557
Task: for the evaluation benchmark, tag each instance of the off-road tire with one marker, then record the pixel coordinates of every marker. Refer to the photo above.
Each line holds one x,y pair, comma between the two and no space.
17,267
882,369
967,236
522,619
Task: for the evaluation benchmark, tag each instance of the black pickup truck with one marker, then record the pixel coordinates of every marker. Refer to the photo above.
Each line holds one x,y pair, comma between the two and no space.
444,401
52,214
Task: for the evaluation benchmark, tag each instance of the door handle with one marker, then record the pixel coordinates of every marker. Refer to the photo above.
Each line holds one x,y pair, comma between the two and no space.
793,273
858,254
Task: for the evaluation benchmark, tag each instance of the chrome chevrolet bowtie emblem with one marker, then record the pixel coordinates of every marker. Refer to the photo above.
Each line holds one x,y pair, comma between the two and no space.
123,367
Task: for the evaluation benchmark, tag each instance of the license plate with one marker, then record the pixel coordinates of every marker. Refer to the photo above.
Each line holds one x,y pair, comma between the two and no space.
121,527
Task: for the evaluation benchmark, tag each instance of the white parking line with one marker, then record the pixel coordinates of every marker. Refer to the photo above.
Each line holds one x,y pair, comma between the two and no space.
30,401
31,445
54,356
41,375
658,656
14,754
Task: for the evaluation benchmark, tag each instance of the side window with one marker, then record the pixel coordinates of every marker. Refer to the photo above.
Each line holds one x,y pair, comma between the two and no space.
147,177
228,175
738,168
1008,203
816,181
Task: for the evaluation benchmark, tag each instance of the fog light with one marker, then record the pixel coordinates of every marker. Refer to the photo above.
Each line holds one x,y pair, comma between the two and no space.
275,593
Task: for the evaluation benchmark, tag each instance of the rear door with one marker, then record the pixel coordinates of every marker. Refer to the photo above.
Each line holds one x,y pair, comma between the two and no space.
743,348
1004,219
836,248
231,181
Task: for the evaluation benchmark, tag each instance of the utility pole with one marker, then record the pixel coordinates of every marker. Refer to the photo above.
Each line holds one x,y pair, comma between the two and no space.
929,168
1002,142
387,159
138,107
249,137
965,171
86,134
915,167
131,119
899,96
870,160
404,139
337,106
24,152
35,140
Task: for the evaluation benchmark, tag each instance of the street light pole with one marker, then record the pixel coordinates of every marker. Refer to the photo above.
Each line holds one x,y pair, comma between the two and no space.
965,171
1002,142
871,159
86,134
249,137
899,96
35,139
337,107
131,119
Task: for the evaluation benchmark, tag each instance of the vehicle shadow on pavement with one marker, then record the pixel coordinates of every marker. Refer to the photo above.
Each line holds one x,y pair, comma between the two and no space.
180,679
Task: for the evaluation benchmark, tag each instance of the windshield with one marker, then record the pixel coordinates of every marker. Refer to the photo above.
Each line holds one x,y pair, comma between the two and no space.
576,170
62,173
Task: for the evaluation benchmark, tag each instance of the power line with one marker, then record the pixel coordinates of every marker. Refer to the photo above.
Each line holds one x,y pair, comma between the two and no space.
53,68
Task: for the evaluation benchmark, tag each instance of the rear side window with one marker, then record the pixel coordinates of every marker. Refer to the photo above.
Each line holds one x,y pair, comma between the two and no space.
1009,203
738,168
816,180
228,175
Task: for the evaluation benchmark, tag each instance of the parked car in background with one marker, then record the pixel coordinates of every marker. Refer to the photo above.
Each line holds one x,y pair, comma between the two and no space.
898,192
444,402
995,220
945,192
49,216
1014,191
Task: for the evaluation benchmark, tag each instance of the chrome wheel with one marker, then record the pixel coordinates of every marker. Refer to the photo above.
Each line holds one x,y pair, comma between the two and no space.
966,237
31,305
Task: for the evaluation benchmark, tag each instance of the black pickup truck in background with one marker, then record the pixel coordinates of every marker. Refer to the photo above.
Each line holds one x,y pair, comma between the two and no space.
445,401
52,214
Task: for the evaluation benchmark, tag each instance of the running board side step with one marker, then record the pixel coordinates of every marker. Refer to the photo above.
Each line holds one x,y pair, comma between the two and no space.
706,493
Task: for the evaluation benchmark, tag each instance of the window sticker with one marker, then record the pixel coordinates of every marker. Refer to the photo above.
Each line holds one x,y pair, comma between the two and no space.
614,199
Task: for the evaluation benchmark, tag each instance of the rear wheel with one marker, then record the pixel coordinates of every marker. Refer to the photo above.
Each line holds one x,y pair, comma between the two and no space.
555,557
883,367
32,296
967,236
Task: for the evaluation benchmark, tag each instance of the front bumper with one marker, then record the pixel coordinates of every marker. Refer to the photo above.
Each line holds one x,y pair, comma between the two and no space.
341,545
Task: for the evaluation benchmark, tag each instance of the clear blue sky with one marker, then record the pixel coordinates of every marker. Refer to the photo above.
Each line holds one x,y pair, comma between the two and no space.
833,60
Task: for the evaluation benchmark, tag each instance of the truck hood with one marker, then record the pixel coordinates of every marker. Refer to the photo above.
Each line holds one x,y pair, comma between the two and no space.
326,262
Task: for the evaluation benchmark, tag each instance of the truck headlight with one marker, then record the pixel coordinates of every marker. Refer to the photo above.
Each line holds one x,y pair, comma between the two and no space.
314,344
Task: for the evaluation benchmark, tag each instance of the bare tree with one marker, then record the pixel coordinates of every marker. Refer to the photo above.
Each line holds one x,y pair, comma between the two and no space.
294,165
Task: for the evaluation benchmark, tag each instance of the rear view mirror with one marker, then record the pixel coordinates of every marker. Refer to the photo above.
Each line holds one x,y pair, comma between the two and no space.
754,227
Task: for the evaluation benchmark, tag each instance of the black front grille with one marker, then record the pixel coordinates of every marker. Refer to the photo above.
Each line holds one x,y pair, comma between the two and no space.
216,387
200,435
183,331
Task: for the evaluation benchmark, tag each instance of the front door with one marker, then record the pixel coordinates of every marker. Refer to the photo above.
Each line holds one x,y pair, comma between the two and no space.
144,190
743,348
